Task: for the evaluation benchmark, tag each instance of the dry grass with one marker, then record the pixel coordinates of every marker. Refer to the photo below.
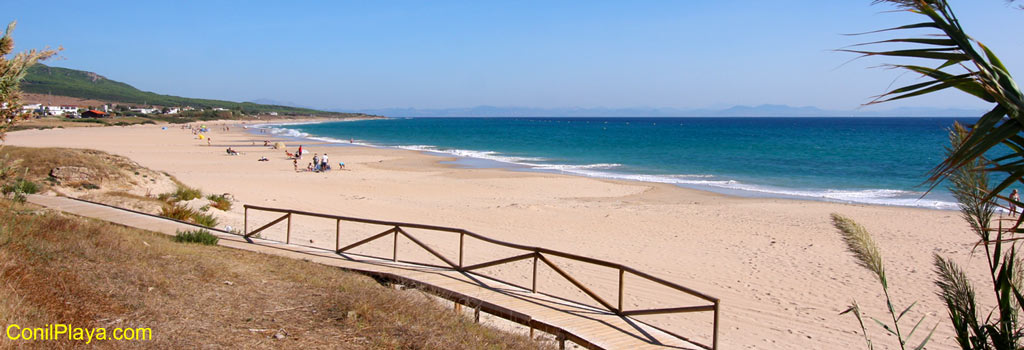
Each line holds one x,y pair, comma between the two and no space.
39,161
195,296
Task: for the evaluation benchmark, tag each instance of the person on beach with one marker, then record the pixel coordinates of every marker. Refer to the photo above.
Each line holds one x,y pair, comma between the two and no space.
208,140
316,162
295,162
324,166
309,167
1014,199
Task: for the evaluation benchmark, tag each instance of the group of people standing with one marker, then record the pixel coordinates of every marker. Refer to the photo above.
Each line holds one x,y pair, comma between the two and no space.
319,163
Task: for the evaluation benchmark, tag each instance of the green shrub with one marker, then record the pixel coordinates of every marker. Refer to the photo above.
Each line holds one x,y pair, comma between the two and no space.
177,211
182,193
219,201
90,186
204,219
19,188
200,236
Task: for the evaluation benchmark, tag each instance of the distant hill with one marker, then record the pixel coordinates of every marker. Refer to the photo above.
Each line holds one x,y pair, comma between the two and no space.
42,79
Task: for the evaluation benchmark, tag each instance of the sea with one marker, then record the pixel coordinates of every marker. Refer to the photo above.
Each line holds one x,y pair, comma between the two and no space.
856,160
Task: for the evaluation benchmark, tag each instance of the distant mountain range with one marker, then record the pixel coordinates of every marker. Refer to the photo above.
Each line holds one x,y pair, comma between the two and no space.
735,111
44,79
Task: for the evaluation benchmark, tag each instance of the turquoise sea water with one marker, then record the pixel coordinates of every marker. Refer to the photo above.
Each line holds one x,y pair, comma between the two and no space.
865,160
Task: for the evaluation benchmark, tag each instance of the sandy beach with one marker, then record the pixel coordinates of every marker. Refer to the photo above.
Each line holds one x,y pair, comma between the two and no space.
779,267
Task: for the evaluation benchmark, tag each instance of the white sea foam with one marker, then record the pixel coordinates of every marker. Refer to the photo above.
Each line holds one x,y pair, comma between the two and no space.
706,181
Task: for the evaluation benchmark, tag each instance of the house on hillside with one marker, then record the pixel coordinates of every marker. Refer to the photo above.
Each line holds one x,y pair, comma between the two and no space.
92,113
52,110
145,110
172,110
66,109
32,108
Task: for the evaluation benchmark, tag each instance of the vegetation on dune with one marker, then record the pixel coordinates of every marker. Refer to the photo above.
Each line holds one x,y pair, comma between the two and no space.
965,64
219,201
105,272
205,219
182,193
177,211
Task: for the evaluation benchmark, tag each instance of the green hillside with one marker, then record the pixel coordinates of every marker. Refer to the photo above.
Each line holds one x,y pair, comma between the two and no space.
42,79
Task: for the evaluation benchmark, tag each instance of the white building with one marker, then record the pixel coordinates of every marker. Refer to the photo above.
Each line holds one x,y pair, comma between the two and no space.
31,107
66,110
173,110
145,110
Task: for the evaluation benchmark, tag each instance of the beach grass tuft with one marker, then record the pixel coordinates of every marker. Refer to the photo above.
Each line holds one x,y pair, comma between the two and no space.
204,219
185,193
177,211
219,201
200,236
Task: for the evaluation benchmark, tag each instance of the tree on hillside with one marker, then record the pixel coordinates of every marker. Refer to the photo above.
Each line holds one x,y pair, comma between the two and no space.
961,62
12,70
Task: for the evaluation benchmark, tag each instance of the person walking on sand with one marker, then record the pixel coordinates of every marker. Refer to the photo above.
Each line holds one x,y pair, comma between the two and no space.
1014,199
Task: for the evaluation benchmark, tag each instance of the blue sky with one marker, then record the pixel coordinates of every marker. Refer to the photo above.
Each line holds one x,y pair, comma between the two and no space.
427,54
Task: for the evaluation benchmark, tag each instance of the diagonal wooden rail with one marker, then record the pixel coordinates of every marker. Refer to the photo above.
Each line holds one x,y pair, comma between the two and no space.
537,254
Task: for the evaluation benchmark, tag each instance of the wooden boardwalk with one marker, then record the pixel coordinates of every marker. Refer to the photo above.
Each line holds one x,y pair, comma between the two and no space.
584,325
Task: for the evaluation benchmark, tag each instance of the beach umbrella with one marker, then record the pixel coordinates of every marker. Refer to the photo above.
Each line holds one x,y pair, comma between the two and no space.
279,145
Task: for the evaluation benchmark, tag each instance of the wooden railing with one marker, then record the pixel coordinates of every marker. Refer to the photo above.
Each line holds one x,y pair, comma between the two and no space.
538,254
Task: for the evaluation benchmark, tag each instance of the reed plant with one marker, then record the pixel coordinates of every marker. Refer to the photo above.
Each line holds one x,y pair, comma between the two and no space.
868,255
963,63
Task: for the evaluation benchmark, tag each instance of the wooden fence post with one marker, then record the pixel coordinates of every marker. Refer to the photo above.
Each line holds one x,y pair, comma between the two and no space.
337,237
714,335
535,253
288,234
394,252
622,275
462,239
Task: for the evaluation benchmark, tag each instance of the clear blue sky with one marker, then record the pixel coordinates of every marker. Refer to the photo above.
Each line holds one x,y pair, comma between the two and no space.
427,54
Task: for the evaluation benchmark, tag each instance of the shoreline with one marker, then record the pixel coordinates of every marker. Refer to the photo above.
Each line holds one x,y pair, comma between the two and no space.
779,267
733,187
